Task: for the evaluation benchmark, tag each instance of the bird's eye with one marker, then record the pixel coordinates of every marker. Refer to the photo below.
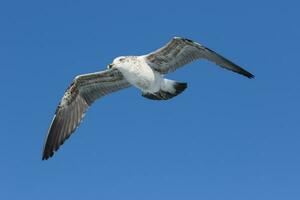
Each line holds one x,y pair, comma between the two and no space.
109,66
121,59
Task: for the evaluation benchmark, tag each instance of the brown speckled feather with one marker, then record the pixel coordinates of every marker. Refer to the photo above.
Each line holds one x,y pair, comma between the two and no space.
180,51
83,91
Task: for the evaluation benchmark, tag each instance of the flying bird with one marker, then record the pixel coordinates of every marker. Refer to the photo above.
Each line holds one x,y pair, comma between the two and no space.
145,72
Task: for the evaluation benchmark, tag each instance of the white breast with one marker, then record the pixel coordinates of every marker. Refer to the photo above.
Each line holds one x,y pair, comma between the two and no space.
140,74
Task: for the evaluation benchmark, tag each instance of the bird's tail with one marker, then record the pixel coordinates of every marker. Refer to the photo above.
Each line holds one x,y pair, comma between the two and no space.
168,90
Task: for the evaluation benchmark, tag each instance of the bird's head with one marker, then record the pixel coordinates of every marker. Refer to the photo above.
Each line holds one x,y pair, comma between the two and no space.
117,62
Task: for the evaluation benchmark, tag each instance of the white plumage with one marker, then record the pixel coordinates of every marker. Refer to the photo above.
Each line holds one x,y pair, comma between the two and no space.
139,74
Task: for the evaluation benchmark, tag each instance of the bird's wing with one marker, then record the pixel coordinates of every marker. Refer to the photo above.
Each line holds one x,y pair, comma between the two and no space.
180,51
83,91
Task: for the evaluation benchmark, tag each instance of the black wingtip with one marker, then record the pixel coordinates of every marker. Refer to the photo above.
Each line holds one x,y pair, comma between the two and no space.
252,76
245,73
249,75
47,155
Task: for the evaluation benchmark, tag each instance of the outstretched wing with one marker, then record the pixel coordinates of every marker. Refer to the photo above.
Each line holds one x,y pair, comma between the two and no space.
83,91
180,51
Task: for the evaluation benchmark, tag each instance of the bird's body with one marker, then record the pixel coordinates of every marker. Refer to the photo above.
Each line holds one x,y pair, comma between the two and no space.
145,72
139,73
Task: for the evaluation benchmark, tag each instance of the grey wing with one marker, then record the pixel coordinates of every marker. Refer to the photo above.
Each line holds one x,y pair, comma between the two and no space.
84,90
180,51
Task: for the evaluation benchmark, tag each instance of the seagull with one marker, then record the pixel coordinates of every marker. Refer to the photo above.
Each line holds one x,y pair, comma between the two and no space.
144,72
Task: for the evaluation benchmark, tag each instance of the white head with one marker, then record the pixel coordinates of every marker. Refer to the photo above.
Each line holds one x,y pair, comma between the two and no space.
117,62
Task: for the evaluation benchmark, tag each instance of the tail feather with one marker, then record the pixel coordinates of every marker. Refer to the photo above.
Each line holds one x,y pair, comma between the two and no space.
175,90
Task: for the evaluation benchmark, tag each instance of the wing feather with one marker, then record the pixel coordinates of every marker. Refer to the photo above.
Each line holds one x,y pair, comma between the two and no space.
180,51
83,91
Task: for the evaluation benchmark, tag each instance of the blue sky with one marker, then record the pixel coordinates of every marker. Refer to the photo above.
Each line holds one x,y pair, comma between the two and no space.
225,137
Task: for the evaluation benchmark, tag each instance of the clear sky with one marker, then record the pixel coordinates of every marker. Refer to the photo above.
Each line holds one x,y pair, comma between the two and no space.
225,137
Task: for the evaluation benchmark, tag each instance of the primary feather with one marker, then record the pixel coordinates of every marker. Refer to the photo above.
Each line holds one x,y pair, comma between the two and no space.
83,91
179,52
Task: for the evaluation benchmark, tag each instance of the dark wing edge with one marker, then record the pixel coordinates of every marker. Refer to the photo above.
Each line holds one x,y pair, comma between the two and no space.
83,91
181,51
